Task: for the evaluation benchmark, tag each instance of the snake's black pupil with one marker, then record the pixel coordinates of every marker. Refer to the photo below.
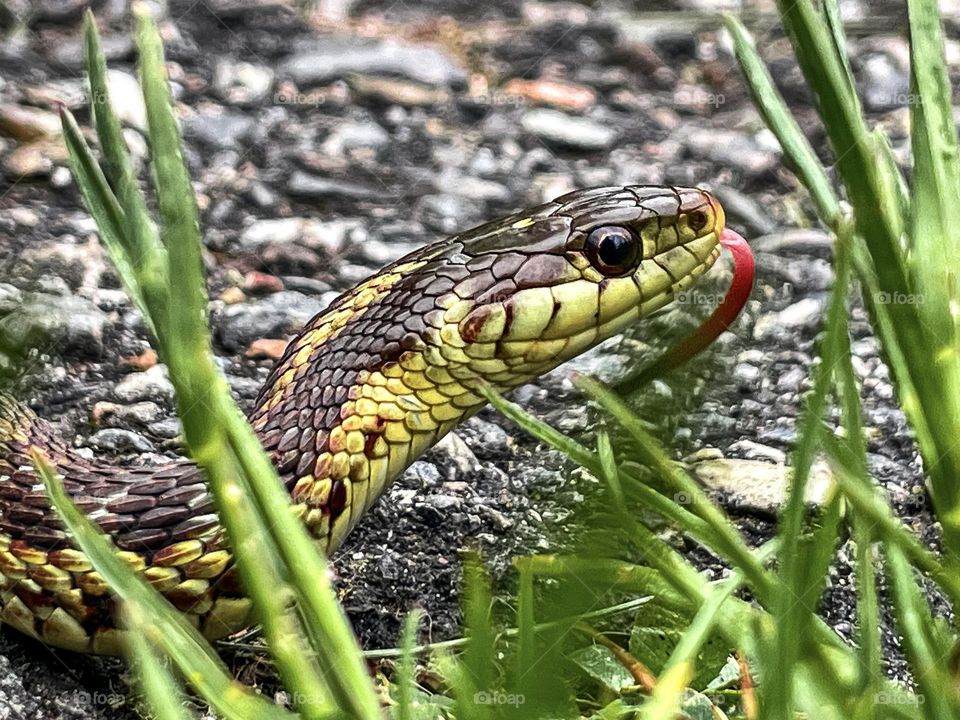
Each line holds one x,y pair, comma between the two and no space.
613,250
697,220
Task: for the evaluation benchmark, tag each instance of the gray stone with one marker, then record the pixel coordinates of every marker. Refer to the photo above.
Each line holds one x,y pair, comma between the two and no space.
730,147
448,213
327,59
885,82
221,130
756,486
420,475
151,384
168,428
802,315
305,285
489,440
455,456
244,388
78,264
740,207
70,325
275,316
10,298
51,285
746,375
568,130
472,187
751,450
352,135
127,99
140,413
117,440
308,185
263,232
792,380
242,83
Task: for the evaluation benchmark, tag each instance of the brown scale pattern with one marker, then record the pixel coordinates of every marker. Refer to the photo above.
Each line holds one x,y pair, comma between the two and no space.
366,387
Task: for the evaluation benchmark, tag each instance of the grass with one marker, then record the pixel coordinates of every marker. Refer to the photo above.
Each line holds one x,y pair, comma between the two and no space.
695,647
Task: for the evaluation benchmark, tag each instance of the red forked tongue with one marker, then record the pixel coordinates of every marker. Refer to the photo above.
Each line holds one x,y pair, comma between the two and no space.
721,318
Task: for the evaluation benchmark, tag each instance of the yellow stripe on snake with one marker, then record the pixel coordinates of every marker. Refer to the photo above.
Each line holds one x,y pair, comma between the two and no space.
368,385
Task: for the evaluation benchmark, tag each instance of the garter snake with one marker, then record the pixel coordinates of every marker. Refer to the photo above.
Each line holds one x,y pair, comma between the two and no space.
368,385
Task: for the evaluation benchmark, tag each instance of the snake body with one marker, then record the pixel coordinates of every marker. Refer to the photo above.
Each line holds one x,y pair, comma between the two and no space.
367,386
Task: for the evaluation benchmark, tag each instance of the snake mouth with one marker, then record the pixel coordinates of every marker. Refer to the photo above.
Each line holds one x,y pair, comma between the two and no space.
720,320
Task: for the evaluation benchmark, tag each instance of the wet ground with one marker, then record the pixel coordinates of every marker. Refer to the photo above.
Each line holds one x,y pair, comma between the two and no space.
324,145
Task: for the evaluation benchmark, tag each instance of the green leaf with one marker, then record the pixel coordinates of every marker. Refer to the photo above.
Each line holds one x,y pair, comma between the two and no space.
160,689
600,664
658,629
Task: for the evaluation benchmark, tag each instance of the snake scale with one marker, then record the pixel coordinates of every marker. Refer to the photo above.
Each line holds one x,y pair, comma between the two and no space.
368,385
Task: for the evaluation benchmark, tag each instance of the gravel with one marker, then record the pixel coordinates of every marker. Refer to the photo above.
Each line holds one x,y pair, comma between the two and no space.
338,57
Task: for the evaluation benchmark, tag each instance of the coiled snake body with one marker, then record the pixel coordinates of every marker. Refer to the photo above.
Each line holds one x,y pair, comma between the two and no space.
360,393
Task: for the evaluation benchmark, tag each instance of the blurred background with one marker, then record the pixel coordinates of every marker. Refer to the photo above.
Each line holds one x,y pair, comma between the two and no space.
326,139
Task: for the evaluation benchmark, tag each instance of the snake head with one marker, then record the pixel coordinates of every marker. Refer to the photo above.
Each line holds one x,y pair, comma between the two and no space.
545,285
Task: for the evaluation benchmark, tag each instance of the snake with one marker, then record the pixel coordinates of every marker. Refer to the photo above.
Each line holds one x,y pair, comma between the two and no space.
367,386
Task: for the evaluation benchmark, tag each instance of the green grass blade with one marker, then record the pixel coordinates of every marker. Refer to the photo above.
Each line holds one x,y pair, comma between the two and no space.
479,658
924,648
866,501
635,490
103,207
407,671
177,204
608,467
935,259
141,249
729,542
212,424
540,430
936,169
794,606
164,625
868,610
679,668
831,13
526,622
778,118
853,145
160,688
324,619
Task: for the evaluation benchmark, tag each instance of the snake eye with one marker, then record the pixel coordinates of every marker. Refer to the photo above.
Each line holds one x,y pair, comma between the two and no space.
613,249
697,220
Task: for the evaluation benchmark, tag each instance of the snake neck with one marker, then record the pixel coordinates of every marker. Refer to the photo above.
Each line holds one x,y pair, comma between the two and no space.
360,394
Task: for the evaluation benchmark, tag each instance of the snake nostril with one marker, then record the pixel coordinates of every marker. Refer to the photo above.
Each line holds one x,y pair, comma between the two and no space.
697,220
